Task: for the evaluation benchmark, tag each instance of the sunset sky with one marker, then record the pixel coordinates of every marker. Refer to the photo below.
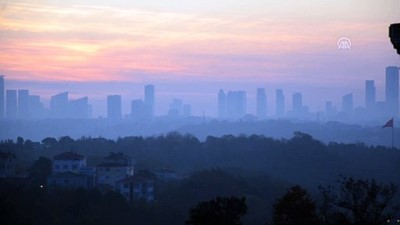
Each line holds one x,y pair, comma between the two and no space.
190,49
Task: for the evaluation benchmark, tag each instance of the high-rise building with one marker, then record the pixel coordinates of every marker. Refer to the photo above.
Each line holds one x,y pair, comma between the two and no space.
59,105
297,102
138,109
2,97
261,103
36,108
80,108
370,95
23,104
280,103
221,104
347,104
236,104
114,107
176,107
11,104
187,110
149,99
392,90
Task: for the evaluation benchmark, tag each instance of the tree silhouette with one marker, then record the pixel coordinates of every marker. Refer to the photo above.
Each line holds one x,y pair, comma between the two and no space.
295,208
220,211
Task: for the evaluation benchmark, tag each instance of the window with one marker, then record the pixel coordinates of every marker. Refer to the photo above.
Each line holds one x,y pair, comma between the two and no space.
74,167
65,167
57,167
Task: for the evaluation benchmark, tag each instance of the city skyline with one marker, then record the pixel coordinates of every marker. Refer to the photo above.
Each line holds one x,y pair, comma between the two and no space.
194,47
230,104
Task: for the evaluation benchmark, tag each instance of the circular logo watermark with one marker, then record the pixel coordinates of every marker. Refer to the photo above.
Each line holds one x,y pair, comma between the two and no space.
344,43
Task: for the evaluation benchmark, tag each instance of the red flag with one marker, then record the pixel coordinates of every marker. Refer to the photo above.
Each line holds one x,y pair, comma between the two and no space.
388,123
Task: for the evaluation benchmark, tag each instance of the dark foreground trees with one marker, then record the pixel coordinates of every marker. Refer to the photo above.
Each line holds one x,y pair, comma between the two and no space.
295,208
220,211
358,202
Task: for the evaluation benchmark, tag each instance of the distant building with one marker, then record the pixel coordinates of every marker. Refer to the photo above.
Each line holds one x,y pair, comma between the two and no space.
136,188
80,109
11,104
23,104
280,103
261,103
236,104
166,175
221,104
59,105
114,107
7,164
139,109
347,105
149,99
297,102
36,108
392,90
370,94
176,107
68,161
2,105
114,167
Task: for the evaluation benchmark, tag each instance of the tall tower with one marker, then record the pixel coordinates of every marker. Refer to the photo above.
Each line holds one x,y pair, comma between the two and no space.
392,90
280,103
1,97
236,104
261,103
370,95
149,99
221,104
59,105
11,104
347,104
114,107
23,104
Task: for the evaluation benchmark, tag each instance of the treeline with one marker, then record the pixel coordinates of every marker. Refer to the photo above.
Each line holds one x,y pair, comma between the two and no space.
300,160
212,197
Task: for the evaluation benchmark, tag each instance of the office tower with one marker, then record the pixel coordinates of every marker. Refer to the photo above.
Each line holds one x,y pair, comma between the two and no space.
297,102
11,104
2,105
175,108
261,103
280,103
187,110
36,108
392,90
79,108
236,104
23,104
149,99
370,98
114,107
347,104
221,104
59,105
138,109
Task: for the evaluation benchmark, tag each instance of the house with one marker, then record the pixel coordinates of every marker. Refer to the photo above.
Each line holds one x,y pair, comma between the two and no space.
7,164
68,161
166,174
136,188
114,167
68,179
70,170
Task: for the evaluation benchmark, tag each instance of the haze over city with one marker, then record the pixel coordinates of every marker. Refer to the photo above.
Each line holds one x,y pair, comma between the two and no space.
190,50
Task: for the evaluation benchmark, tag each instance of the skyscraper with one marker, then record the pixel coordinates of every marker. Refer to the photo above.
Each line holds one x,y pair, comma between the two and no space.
23,104
370,91
59,105
114,107
1,97
149,99
36,108
347,104
392,90
297,102
221,104
236,104
261,103
280,103
11,104
80,108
